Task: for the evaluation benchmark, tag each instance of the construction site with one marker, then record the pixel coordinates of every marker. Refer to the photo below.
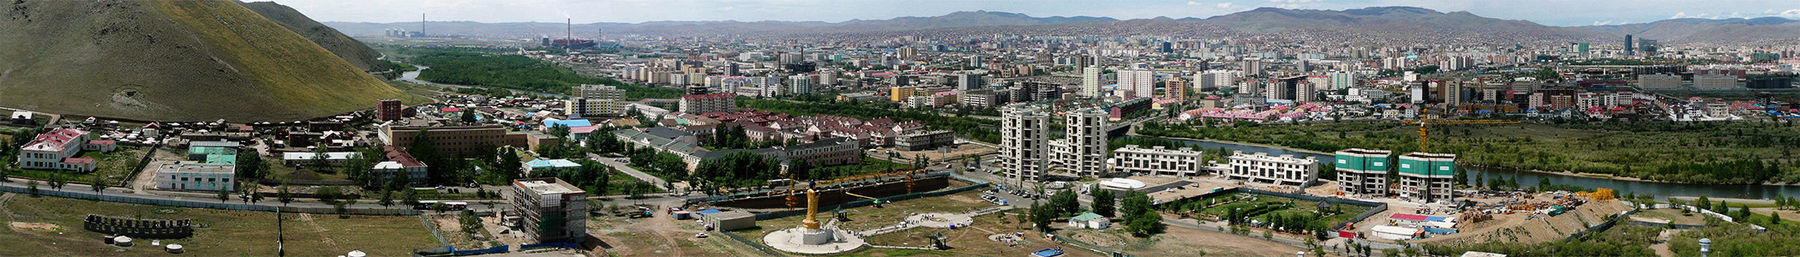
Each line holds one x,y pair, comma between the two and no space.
1519,217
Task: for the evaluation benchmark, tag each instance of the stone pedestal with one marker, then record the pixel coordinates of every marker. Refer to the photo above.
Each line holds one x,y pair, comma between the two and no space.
815,236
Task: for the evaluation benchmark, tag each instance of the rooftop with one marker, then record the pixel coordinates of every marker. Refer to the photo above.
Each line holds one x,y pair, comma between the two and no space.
548,186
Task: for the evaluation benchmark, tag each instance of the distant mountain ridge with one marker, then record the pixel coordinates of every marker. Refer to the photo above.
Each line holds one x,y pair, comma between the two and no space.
1393,22
1707,30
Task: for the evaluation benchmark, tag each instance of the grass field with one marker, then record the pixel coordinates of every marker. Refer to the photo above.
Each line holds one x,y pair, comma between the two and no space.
40,226
115,167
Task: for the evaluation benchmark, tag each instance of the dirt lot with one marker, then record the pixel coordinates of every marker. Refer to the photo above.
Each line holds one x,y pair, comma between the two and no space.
661,236
1182,241
976,240
1531,228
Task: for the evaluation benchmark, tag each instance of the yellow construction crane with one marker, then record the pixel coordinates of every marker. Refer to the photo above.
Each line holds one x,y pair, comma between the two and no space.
1422,124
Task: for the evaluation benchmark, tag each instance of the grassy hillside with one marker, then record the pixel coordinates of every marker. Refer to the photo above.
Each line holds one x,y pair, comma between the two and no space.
166,60
357,53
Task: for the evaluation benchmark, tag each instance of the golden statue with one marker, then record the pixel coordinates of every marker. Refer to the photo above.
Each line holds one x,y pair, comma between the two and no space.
812,209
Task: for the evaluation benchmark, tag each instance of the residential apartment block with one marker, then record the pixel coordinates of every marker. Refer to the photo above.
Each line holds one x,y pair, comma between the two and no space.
1285,170
1427,176
1363,171
700,104
1024,141
550,210
595,101
1157,160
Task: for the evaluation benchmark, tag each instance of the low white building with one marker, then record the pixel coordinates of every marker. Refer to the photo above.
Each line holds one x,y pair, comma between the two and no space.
1282,170
306,158
195,176
1157,160
1090,221
1394,233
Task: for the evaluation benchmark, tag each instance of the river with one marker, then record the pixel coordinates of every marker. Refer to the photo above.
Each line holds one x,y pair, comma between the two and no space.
1529,179
413,76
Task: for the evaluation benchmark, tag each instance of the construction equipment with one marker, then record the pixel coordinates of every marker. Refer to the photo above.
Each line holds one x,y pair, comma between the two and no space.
877,200
1423,136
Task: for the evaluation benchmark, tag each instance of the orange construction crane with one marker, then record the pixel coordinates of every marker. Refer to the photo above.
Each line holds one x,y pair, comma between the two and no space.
1424,136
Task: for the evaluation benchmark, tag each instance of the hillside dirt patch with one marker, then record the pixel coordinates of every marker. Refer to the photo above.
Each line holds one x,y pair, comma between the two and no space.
35,226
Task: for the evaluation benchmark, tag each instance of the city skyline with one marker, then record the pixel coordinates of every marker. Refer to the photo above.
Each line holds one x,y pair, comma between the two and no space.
1609,12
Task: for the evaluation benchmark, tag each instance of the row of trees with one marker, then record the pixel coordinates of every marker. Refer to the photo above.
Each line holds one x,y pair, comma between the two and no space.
1136,212
473,66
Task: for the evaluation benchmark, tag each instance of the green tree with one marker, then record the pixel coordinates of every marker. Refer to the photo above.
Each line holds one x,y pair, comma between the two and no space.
1041,215
33,187
99,185
387,199
319,161
224,195
1743,211
1066,203
283,195
468,116
251,166
1103,202
1702,203
410,197
1775,218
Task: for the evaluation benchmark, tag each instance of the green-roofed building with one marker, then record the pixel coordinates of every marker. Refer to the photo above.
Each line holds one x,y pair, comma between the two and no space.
1363,172
1427,176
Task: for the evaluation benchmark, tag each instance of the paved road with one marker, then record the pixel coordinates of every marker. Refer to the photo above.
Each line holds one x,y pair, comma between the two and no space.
622,167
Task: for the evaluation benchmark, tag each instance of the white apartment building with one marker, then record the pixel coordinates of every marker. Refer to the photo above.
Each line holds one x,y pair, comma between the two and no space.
1091,81
595,100
1139,83
1184,162
1024,141
195,176
1083,149
1284,170
541,203
800,84
1342,80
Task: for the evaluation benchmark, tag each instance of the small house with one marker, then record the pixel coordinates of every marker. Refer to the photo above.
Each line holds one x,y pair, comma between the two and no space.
1089,220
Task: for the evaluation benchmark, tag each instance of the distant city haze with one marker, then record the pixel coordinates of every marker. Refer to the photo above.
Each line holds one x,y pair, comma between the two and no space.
1548,12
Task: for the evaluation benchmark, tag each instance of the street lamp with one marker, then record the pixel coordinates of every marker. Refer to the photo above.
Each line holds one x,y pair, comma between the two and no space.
1705,246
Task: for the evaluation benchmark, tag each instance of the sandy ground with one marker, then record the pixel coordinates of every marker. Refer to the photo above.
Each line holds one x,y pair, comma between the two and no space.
1180,241
1533,228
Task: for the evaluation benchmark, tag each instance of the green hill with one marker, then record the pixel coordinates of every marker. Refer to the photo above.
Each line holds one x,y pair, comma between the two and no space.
170,60
357,53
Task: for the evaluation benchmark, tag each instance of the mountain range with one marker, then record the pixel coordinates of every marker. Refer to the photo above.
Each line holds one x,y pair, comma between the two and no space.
1398,22
168,60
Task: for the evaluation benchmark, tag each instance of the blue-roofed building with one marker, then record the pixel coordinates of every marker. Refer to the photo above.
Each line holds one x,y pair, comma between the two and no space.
541,165
567,123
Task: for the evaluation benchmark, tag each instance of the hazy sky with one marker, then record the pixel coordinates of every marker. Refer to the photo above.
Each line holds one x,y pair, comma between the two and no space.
1550,12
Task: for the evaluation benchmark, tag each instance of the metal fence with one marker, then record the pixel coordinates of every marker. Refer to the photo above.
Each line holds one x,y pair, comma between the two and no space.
759,246
867,202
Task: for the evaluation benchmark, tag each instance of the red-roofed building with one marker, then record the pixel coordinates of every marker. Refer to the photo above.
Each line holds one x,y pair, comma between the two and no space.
54,151
1407,219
